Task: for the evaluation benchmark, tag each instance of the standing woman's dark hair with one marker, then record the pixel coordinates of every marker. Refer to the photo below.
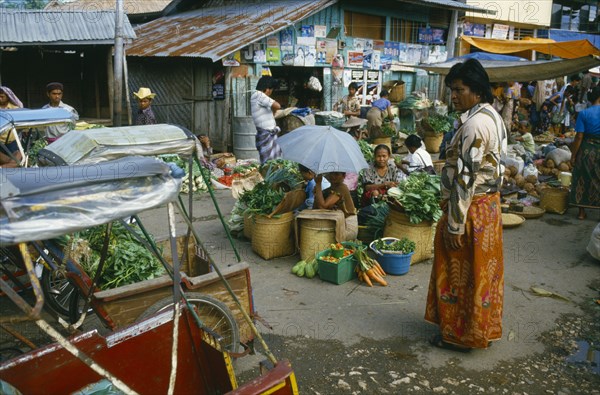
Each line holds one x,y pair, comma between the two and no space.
473,75
267,82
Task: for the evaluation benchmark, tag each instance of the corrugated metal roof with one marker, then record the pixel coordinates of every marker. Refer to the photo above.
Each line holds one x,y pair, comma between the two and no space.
219,31
23,27
131,7
450,4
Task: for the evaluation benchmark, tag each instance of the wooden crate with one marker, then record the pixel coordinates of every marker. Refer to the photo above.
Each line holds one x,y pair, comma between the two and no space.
196,260
125,304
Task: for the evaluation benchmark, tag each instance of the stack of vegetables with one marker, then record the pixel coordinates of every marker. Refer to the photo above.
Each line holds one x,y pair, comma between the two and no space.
369,271
418,196
401,246
416,101
238,171
372,219
127,261
438,123
198,185
306,269
281,177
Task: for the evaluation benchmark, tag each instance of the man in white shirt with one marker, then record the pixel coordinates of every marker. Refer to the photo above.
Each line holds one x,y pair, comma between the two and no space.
263,110
418,158
54,90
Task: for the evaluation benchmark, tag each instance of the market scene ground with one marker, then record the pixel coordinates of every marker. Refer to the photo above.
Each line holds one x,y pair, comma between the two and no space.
353,339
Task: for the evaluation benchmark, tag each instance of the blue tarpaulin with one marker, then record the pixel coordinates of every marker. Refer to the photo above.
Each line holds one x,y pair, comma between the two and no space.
560,35
488,56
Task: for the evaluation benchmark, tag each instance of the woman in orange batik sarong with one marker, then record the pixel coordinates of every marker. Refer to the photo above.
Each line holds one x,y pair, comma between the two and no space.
466,288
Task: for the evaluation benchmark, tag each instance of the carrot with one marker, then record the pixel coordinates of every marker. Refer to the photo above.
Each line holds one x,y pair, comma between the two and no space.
360,276
375,277
378,266
367,280
378,270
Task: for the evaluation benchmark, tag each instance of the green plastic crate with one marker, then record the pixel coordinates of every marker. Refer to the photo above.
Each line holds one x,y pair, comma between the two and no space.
337,273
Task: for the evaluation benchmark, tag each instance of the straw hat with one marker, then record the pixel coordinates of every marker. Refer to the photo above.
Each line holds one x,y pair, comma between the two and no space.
353,122
144,93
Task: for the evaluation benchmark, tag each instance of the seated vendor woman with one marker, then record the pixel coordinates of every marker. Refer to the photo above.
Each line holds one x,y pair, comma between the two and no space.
337,197
380,176
215,160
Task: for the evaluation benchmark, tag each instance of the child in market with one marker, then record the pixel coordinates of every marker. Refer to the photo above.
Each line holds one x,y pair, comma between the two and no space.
526,140
309,178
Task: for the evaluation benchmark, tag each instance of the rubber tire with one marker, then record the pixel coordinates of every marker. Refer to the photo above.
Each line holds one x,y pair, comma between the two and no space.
209,309
92,320
59,303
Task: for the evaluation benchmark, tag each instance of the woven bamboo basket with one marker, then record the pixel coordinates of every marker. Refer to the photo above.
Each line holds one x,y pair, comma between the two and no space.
554,200
438,165
433,141
396,90
248,225
273,237
529,212
314,235
383,140
511,220
398,225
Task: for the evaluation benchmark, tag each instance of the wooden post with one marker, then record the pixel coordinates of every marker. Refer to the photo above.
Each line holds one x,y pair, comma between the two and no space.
118,65
111,83
127,98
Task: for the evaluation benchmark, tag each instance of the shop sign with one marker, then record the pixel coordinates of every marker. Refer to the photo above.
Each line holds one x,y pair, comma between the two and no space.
429,35
473,29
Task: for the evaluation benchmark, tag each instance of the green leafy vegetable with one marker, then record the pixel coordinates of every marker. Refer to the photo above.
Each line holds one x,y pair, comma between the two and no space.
419,195
439,123
281,176
403,245
127,262
366,150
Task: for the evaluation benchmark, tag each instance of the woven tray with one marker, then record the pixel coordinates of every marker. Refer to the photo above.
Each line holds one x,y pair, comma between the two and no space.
511,220
530,212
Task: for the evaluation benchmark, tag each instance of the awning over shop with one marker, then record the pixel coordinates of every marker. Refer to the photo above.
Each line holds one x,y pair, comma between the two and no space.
216,32
565,49
500,71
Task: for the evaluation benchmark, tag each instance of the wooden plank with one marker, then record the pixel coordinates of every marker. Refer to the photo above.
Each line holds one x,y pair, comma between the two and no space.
127,310
125,304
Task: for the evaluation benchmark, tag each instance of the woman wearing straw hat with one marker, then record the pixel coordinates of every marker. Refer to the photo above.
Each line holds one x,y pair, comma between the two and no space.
145,115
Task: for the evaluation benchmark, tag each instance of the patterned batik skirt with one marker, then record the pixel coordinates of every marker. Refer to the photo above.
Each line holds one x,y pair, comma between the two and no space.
466,289
266,144
585,185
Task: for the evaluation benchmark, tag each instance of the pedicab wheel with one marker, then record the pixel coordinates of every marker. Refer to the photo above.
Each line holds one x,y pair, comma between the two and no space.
92,320
57,289
213,313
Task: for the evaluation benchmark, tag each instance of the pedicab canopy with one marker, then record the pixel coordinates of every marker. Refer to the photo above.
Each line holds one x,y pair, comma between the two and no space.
102,144
25,118
44,203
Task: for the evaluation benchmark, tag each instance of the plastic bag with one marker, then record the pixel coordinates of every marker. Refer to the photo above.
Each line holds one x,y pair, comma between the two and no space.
594,244
314,84
530,170
557,118
559,155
